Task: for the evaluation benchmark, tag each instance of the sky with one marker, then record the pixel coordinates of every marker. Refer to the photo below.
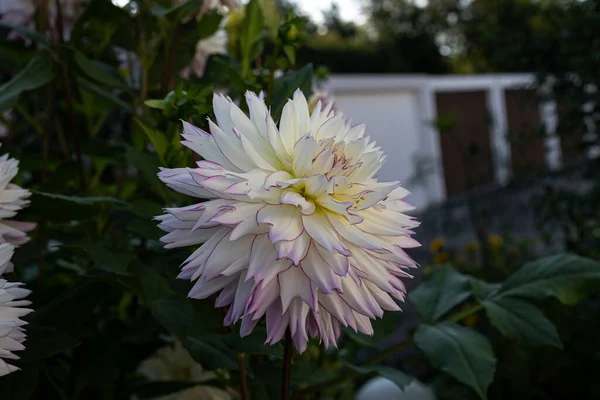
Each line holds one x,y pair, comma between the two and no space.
350,10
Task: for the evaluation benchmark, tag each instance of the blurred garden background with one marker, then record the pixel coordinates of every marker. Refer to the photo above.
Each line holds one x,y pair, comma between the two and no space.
488,112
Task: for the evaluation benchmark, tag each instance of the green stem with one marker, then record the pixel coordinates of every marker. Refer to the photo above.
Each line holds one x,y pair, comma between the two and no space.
462,315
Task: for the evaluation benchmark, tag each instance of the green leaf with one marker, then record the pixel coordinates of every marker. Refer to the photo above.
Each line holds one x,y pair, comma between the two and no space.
290,52
252,26
158,139
152,390
36,74
100,72
254,343
285,86
108,260
155,103
177,13
444,289
173,311
211,352
148,166
522,321
459,351
27,33
360,338
85,84
209,24
398,377
44,342
58,207
567,277
20,385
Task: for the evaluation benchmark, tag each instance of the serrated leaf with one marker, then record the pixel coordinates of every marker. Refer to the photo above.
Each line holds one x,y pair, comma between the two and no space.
398,377
567,277
36,74
522,321
444,289
461,352
285,86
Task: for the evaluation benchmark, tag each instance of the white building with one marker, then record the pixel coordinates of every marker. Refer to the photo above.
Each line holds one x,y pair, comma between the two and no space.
401,111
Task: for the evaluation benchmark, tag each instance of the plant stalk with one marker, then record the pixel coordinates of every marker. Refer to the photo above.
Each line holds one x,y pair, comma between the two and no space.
245,393
287,365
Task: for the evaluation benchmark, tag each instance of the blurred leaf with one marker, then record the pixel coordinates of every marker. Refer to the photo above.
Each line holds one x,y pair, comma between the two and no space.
159,104
522,321
444,289
285,86
254,343
211,352
178,12
36,74
209,24
158,139
20,385
290,52
27,33
44,342
459,351
100,72
398,377
106,95
224,69
360,338
152,390
108,260
58,207
148,167
173,311
484,290
567,277
251,28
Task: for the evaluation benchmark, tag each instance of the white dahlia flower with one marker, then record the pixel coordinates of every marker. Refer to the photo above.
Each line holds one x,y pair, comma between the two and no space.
297,228
174,363
12,199
215,44
12,334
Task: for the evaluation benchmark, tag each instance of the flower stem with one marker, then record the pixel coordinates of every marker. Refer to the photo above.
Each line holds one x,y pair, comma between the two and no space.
243,380
287,366
462,315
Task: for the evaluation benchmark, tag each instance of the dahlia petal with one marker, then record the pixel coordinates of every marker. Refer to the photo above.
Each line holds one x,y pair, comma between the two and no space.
325,278
204,144
304,150
294,250
294,283
231,147
264,265
287,127
320,230
285,221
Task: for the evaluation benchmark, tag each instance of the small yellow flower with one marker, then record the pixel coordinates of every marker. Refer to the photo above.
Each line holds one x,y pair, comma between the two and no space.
471,320
441,258
495,240
436,245
472,247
